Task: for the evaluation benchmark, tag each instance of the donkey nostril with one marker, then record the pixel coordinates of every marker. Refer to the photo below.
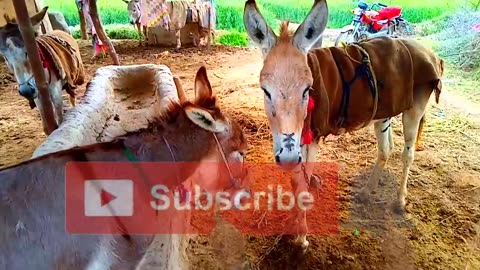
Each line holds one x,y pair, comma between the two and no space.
277,158
299,159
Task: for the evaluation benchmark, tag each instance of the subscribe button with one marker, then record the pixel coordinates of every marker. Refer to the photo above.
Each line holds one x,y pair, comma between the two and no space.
147,198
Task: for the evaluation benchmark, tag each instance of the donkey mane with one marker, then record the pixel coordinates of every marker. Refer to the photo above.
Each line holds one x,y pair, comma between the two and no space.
285,34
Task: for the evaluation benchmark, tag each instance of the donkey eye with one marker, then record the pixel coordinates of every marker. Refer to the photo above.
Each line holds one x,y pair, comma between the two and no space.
267,93
305,92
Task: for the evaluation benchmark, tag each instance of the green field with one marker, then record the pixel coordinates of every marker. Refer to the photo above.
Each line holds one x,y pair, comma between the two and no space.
229,12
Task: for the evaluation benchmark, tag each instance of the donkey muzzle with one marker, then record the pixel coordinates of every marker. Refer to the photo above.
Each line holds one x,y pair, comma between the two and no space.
288,153
28,91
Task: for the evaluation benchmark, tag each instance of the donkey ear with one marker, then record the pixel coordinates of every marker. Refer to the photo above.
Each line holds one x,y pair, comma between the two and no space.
37,18
204,119
312,27
8,19
182,96
203,89
257,28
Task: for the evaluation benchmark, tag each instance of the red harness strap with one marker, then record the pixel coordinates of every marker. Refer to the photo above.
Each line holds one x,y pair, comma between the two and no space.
46,63
307,134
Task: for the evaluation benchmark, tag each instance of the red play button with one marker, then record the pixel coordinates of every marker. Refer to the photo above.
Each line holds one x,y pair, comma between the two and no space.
106,197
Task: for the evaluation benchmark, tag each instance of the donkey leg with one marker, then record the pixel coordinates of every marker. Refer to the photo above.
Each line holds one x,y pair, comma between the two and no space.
299,224
72,100
57,100
411,121
412,124
40,109
384,137
301,178
311,154
139,31
418,143
145,36
177,36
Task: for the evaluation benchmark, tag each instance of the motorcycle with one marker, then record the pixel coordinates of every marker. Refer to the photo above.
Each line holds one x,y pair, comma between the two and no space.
369,23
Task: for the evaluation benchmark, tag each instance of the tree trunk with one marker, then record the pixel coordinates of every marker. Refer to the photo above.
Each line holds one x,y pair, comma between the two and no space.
101,33
83,26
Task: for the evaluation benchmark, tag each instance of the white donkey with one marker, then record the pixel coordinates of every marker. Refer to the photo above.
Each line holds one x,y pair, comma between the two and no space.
179,13
134,14
61,60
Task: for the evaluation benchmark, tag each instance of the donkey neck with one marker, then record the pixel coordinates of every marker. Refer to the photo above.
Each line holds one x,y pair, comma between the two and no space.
171,145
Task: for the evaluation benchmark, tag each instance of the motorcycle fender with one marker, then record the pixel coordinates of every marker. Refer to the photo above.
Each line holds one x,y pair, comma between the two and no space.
347,28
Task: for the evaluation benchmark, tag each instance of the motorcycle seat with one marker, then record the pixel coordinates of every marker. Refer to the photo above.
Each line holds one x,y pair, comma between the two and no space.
388,13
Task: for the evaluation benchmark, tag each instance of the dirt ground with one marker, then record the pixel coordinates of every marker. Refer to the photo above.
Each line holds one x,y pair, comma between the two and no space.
441,229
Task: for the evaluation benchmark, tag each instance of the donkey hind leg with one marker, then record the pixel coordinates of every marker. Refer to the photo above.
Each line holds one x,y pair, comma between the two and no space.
418,143
384,135
411,123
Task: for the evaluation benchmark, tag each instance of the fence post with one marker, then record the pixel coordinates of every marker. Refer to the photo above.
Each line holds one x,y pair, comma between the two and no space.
28,36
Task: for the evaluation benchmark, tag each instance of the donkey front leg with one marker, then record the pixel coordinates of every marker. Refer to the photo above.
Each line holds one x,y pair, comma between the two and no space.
302,178
40,109
384,135
56,96
137,25
145,36
177,36
310,152
299,225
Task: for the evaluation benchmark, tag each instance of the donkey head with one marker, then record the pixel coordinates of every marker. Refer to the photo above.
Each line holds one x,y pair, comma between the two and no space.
133,7
12,47
286,78
221,133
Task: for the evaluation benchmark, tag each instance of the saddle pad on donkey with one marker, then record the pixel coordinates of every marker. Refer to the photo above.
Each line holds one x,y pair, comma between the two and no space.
203,7
61,51
178,13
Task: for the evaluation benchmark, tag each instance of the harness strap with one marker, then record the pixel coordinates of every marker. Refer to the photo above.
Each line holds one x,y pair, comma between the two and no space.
365,69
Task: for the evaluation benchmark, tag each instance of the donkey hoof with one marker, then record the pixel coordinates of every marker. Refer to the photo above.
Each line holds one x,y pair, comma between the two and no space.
399,208
419,147
363,196
303,243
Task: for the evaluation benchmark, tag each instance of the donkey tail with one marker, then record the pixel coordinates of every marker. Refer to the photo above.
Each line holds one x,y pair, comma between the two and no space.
438,86
418,141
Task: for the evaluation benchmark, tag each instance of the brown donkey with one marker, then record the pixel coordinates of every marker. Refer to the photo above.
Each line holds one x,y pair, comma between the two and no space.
32,193
335,90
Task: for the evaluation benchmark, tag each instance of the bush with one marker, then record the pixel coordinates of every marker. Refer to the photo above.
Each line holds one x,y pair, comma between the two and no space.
233,39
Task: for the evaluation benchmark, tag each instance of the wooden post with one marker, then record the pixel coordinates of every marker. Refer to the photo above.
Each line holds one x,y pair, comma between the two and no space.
101,33
83,24
209,25
26,30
